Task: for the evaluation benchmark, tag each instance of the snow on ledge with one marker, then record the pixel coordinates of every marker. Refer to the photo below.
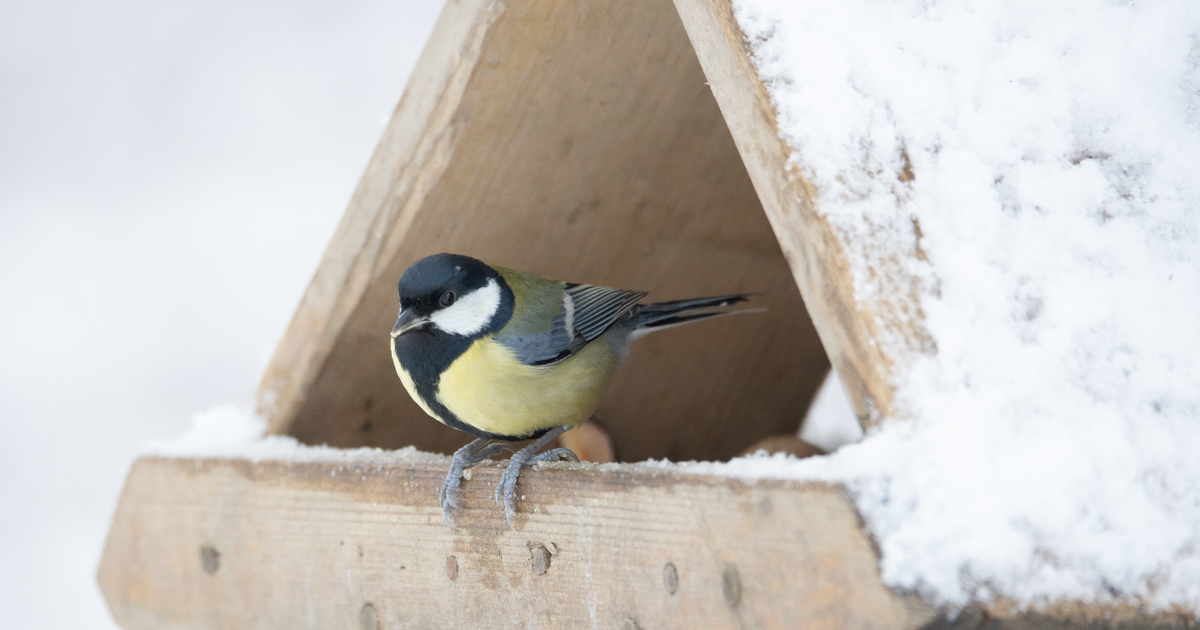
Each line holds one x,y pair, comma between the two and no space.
1036,165
231,432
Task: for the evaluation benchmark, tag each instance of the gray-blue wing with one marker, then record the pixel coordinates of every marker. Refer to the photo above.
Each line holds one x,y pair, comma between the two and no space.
586,312
596,308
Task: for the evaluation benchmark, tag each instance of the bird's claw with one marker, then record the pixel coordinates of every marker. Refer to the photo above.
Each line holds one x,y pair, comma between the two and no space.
469,455
492,449
448,495
554,454
506,488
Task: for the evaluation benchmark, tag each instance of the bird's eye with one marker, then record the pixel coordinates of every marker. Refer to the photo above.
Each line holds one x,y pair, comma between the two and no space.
447,298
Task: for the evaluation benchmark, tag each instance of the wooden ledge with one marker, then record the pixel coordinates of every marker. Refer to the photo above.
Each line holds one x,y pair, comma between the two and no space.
360,544
233,544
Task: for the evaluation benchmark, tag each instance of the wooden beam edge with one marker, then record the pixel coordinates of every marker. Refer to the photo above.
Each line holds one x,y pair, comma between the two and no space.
411,152
209,542
849,329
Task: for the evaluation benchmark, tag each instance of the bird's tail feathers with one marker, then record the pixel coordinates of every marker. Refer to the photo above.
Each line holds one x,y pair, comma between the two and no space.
662,315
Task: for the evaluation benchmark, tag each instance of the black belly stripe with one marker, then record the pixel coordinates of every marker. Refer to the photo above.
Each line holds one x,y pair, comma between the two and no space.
425,354
453,421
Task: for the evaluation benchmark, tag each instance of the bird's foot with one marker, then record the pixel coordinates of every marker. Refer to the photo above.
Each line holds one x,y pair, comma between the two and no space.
506,488
554,455
469,455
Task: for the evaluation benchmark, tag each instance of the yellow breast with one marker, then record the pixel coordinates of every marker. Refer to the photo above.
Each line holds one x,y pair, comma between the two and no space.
488,388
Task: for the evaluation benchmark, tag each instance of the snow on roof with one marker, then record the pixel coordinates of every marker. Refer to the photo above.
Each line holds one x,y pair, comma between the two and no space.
1051,443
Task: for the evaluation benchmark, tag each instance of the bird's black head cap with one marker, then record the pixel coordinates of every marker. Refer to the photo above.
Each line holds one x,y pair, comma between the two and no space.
436,282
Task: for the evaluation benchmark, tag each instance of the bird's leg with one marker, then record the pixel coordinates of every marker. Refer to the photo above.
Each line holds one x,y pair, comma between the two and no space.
469,455
492,449
527,456
554,454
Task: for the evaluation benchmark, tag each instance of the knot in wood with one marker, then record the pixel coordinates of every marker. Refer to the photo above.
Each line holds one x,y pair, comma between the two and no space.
368,619
670,578
539,558
210,559
731,585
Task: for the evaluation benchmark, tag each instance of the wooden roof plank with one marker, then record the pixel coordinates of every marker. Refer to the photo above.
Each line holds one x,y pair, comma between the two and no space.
817,255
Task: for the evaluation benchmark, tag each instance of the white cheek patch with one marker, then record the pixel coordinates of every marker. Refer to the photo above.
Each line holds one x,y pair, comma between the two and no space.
471,313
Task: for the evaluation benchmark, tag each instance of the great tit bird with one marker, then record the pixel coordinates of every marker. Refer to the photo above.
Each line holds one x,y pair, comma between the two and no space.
506,355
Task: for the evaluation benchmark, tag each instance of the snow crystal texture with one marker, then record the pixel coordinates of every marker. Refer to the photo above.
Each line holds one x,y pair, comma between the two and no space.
1049,152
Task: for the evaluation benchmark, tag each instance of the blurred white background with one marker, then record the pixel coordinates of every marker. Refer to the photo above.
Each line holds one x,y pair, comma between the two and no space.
169,176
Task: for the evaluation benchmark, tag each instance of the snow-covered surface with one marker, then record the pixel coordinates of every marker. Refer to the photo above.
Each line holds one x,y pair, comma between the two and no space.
170,173
830,422
234,432
1049,446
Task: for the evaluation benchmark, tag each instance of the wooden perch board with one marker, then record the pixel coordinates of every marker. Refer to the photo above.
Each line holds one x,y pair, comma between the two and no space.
577,140
360,545
233,544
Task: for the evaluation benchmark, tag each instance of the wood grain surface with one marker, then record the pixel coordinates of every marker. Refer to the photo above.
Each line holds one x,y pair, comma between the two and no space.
359,544
236,544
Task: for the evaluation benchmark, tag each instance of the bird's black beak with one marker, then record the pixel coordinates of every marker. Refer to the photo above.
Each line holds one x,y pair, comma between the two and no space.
409,320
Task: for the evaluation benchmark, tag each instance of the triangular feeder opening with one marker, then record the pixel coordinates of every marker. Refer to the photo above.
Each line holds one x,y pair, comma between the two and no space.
578,141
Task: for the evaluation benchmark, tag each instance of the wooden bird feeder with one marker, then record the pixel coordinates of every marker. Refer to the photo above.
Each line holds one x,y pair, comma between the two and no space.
579,141
628,143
